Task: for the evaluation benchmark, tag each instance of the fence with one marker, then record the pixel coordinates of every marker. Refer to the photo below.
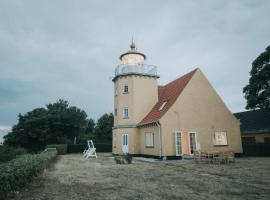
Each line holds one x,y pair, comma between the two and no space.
256,149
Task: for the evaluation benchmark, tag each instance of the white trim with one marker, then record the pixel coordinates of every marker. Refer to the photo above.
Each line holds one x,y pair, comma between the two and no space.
124,114
176,145
125,147
215,141
151,144
125,86
189,141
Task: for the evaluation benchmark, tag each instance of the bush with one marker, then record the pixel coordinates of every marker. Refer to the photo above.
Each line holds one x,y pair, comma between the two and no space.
103,147
76,148
123,159
7,153
61,148
20,171
79,148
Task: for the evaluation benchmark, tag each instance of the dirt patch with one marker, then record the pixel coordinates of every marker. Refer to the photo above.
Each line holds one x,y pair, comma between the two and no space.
74,177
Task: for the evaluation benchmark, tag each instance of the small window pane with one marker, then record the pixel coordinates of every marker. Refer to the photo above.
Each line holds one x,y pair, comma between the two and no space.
125,112
220,138
125,88
162,106
149,139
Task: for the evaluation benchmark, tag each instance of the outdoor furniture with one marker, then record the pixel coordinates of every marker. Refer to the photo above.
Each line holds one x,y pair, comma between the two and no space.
229,155
90,151
215,157
197,156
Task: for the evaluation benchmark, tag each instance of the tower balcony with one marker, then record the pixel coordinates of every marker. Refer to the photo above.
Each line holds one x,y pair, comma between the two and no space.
135,69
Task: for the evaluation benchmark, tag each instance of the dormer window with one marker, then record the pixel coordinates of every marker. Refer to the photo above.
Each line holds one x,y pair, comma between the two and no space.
162,106
125,89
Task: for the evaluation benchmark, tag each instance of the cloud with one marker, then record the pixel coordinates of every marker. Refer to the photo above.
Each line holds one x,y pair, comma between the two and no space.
69,49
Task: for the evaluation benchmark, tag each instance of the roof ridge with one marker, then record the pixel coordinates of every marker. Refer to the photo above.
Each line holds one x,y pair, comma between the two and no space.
175,80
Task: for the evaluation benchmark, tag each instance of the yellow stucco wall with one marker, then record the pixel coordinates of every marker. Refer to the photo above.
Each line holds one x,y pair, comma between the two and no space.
149,150
142,95
201,110
133,140
198,109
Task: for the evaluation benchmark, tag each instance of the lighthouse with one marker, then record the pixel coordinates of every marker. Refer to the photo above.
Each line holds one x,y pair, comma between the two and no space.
135,93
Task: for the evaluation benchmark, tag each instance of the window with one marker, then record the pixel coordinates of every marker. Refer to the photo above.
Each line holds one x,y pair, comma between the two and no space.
220,139
125,89
125,112
149,139
114,140
115,112
248,139
162,106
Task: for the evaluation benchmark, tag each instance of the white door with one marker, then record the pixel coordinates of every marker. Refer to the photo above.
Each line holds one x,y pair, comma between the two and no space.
125,143
178,143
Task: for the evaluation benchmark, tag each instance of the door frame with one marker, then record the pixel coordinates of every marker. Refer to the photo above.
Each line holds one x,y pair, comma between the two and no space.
176,146
196,143
181,132
123,138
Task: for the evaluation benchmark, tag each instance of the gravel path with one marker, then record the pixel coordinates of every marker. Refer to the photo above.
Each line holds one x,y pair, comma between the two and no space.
73,177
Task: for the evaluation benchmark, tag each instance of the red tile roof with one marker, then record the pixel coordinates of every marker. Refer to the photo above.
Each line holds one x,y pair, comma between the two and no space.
167,93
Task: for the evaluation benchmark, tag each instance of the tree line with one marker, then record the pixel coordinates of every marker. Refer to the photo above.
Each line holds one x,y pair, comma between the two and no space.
58,123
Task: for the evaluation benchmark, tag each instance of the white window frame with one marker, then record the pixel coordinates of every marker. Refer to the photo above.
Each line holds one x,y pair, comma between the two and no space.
125,114
223,143
149,140
124,89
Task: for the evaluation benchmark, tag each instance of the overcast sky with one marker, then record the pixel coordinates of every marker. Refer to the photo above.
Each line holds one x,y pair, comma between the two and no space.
69,49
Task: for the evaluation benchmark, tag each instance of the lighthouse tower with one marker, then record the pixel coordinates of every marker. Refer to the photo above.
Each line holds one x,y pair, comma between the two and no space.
136,91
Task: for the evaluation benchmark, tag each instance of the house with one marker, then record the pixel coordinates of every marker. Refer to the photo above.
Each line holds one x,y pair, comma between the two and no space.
254,126
171,120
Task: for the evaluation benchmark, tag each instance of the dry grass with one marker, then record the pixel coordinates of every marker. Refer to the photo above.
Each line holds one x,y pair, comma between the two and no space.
74,177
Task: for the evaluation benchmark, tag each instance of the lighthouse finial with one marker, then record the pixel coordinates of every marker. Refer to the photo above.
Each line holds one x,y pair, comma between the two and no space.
132,46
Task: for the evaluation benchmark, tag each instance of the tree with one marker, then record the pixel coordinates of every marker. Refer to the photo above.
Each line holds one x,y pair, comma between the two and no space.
57,123
103,129
257,92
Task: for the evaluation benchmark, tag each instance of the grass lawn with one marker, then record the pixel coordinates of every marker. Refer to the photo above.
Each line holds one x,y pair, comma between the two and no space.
73,177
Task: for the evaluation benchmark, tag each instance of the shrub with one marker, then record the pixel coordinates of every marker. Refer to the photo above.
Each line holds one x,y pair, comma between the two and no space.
61,148
123,159
103,147
7,153
79,148
20,171
76,148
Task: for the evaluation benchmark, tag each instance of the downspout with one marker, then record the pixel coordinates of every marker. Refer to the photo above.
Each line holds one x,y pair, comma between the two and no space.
160,141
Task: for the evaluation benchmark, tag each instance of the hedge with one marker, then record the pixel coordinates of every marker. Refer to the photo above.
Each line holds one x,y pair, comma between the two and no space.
61,148
20,171
79,148
8,153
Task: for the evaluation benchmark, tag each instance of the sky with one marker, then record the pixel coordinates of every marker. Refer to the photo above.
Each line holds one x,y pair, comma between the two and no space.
69,49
